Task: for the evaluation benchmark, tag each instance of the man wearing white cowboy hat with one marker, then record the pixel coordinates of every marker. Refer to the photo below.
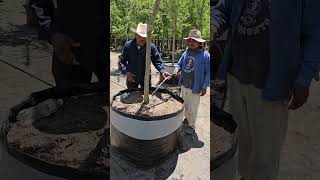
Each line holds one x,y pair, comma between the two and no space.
134,58
194,66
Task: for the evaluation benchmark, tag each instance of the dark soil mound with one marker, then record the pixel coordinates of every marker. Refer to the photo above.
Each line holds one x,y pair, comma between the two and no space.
220,140
78,114
160,104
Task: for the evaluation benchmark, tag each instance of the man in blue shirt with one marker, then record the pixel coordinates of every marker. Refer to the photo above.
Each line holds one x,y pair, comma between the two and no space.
133,60
271,56
194,67
77,31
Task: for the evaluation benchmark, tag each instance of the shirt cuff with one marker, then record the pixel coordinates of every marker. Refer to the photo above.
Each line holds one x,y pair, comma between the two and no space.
205,86
162,70
124,70
305,76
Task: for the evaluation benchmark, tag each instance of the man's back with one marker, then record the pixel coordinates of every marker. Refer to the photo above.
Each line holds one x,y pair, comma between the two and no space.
83,21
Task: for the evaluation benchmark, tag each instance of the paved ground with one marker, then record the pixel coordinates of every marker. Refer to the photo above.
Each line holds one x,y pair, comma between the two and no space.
301,153
300,158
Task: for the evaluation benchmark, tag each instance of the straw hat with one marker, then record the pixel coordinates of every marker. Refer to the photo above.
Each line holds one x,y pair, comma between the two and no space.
141,30
195,35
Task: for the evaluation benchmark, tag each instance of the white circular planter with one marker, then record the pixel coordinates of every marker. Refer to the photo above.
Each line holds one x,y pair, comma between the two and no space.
143,129
145,141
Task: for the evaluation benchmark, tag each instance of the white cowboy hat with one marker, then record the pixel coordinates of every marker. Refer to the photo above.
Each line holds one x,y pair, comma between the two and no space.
141,30
195,35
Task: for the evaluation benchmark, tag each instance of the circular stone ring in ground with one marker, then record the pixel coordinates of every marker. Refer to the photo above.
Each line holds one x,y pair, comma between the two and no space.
76,155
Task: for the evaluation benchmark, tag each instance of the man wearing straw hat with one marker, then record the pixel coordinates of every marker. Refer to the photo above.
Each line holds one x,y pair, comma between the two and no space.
194,66
133,60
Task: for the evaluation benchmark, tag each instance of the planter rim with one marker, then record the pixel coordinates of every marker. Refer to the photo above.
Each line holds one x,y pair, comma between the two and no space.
145,118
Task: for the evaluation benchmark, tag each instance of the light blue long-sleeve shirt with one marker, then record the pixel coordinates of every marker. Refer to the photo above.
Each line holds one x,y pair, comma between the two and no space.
201,71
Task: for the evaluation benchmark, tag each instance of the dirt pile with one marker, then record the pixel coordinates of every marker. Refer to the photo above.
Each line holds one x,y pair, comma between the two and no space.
160,104
76,136
220,140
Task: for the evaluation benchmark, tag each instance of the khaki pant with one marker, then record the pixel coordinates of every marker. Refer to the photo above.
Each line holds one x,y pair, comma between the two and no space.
191,105
262,126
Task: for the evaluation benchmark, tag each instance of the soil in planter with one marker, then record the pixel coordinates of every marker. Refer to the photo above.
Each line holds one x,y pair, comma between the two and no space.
159,104
220,140
67,143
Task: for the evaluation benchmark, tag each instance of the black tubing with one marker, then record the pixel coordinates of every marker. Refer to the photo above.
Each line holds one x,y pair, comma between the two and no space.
143,153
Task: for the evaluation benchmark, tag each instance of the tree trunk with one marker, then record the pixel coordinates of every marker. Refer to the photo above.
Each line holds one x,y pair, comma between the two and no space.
201,17
174,30
148,51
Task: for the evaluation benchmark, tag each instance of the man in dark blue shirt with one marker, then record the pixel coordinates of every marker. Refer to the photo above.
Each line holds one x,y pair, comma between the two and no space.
271,57
78,32
133,60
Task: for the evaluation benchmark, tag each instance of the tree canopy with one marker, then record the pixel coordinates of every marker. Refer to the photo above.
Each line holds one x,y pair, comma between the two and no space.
126,14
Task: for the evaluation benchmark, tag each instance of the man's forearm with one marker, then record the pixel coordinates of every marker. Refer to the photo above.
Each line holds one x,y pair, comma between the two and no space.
220,16
157,61
123,68
310,44
308,71
207,73
123,65
161,68
124,58
44,11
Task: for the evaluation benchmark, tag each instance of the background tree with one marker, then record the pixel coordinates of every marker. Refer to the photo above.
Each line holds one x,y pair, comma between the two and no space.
126,14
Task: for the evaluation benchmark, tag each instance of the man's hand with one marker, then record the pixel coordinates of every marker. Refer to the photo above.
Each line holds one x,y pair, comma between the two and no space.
175,73
166,74
130,77
203,92
62,45
298,96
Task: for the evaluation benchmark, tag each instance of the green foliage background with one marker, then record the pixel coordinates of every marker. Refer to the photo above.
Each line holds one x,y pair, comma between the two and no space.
126,14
